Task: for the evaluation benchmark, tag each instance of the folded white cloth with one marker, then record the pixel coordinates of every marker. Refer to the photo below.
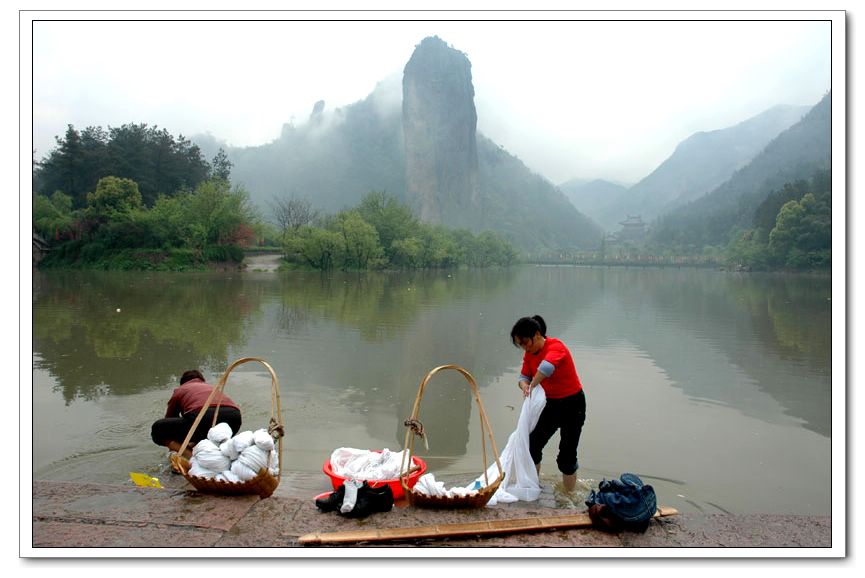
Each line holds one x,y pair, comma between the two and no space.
227,476
427,484
359,464
254,458
241,471
262,439
208,456
236,459
228,450
196,469
219,433
243,440
273,468
214,461
204,446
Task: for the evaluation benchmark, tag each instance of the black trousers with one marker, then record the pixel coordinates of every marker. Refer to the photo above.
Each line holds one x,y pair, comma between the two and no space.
175,429
567,415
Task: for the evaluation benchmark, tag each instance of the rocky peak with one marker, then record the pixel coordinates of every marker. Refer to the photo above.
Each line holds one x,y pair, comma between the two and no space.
317,111
439,128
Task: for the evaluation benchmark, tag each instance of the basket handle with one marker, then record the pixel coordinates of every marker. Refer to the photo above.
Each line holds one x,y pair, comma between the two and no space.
275,425
486,430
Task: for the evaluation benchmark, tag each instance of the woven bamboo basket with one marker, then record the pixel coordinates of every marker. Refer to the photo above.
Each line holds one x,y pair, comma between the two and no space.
482,495
264,483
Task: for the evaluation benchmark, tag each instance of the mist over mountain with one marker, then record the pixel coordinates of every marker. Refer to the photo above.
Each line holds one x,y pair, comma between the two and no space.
600,199
797,153
699,164
333,159
415,137
420,145
706,159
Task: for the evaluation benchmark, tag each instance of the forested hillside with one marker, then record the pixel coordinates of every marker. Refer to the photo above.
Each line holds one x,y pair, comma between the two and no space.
336,157
797,154
705,160
526,208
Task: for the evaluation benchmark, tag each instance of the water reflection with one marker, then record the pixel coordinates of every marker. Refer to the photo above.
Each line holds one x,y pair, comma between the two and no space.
721,337
351,349
121,333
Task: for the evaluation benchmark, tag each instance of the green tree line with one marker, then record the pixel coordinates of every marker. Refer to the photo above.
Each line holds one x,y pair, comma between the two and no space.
159,163
135,197
380,232
792,228
116,230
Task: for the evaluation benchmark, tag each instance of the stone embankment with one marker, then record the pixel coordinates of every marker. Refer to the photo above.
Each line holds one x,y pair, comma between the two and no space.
76,515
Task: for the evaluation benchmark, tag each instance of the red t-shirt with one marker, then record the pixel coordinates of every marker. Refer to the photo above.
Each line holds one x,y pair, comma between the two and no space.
191,396
564,380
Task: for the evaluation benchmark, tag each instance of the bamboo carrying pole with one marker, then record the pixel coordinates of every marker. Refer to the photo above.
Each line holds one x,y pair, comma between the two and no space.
482,528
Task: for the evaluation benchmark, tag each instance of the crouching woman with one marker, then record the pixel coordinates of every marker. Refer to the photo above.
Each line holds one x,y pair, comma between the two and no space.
183,407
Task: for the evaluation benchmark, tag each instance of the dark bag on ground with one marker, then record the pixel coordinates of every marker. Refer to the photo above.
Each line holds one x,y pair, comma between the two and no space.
623,504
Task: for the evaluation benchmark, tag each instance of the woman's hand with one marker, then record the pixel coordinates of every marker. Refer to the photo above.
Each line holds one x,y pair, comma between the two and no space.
526,388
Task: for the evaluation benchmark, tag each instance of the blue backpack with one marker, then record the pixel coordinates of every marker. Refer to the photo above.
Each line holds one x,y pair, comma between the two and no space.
623,504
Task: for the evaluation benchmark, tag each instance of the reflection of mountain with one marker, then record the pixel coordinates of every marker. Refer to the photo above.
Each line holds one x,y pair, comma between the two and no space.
355,347
378,335
117,333
723,337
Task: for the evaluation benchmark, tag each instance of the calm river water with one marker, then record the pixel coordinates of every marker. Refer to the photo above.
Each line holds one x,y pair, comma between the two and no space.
714,387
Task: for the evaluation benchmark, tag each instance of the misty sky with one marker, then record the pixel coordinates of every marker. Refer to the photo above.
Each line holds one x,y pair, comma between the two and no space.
571,99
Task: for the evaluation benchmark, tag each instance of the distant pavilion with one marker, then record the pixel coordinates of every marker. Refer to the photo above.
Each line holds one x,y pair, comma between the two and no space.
633,229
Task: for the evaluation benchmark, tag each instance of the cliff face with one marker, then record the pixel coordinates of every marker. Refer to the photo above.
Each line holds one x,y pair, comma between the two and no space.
418,142
439,130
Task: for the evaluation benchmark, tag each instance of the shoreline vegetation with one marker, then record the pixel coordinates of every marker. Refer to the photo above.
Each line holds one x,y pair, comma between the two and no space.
175,211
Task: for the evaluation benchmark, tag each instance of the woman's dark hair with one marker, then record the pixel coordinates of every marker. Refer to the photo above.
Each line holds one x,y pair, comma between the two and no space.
191,374
526,327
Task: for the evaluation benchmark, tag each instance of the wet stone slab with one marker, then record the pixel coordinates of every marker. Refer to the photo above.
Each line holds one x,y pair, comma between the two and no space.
133,505
58,534
742,531
72,515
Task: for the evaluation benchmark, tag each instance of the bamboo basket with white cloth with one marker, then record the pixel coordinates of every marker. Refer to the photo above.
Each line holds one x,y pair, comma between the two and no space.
264,483
477,498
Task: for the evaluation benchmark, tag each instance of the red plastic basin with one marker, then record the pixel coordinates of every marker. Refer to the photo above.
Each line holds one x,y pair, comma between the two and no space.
395,486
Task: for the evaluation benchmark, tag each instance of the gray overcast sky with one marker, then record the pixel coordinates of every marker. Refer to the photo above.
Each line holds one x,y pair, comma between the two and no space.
572,99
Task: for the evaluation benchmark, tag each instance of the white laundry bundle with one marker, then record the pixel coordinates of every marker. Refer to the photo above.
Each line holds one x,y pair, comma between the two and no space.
427,484
262,439
242,471
197,471
254,458
358,464
228,450
207,455
226,476
219,433
243,440
236,459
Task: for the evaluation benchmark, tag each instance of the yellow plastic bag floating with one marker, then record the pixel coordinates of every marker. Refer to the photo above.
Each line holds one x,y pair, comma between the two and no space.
144,480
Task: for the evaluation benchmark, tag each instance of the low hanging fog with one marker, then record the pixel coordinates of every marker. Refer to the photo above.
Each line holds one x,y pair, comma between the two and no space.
573,100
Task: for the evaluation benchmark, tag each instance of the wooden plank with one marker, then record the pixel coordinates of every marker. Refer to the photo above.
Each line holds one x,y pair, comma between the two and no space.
481,528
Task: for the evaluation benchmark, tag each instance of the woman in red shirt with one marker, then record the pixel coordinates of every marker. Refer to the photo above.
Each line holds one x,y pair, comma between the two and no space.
548,362
183,407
